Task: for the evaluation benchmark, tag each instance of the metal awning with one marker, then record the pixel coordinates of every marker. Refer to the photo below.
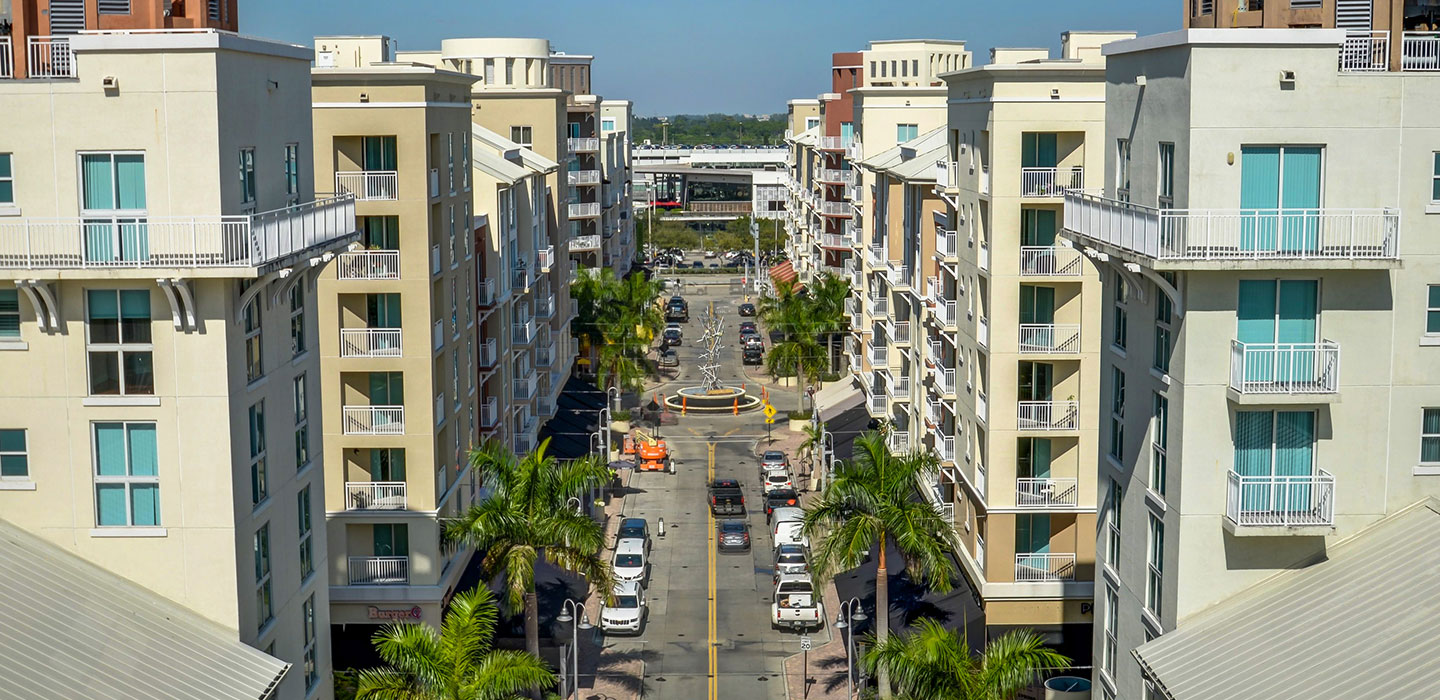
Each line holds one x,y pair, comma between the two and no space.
1359,624
69,629
837,398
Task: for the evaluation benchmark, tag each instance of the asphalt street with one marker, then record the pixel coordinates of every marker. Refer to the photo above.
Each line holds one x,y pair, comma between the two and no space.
708,633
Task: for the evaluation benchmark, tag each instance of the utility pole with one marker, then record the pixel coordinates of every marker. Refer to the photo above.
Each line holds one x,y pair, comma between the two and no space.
755,250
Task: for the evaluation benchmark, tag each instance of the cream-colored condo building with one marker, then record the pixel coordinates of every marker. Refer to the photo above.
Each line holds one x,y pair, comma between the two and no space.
160,245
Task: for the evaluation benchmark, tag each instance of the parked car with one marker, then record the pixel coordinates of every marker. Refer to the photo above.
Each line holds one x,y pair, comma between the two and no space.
780,498
734,536
778,480
675,313
774,460
670,337
796,606
630,562
790,559
679,332
753,355
747,310
698,265
668,359
748,326
625,611
634,529
710,253
726,498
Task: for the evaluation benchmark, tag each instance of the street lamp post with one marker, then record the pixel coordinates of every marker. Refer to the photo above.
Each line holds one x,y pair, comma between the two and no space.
827,455
850,613
573,613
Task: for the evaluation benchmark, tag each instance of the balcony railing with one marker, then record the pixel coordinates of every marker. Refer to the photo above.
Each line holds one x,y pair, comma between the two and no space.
368,185
379,571
373,420
945,175
1049,338
982,408
1046,493
1050,261
945,447
853,150
585,210
947,312
523,331
880,306
1306,500
7,59
527,385
139,241
831,143
1420,51
545,258
1050,182
487,357
945,381
544,308
877,255
982,332
899,441
590,242
832,240
834,176
374,495
582,177
878,403
50,57
898,273
434,183
1365,51
947,245
897,386
836,209
583,144
1044,566
370,342
984,182
1047,415
1285,368
545,354
879,356
1235,234
899,332
490,413
368,265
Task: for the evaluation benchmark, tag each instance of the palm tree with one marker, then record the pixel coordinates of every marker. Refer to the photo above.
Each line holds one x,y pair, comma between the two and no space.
456,662
827,299
798,352
529,514
934,663
869,504
813,444
619,319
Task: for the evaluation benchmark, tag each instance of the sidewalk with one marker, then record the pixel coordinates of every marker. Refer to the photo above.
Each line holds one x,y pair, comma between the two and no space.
618,675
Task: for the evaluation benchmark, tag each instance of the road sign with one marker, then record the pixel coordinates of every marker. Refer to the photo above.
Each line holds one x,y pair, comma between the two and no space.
770,412
805,642
769,421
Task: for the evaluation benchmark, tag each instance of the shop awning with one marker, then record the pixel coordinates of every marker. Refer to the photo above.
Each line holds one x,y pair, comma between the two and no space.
784,272
74,630
838,397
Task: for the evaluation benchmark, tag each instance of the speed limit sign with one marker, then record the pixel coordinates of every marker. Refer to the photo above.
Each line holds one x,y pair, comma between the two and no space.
805,642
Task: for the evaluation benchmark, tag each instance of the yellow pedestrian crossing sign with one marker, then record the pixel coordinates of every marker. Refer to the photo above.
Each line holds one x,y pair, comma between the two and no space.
770,413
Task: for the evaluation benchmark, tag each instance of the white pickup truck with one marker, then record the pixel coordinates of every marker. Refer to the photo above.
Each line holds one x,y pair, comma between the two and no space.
797,604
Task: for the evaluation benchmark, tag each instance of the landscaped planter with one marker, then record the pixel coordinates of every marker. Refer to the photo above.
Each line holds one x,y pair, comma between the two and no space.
620,426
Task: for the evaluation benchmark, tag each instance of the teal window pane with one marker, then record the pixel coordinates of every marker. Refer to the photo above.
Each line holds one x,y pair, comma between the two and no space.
135,303
14,465
97,186
110,449
110,505
7,191
12,441
130,180
145,505
1432,322
1430,424
6,171
103,304
9,312
143,459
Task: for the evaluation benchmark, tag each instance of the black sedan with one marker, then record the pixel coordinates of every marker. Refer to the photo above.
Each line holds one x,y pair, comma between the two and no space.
734,536
747,309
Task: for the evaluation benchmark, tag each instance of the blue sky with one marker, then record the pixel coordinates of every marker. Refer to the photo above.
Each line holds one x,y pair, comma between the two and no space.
686,57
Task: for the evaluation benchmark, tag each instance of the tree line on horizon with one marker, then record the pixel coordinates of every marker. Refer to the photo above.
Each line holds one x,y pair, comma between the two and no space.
715,129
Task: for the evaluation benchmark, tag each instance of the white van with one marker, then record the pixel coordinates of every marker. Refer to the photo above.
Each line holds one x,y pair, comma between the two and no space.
630,562
785,527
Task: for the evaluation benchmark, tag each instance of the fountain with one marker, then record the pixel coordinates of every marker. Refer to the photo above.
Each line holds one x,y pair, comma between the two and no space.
711,396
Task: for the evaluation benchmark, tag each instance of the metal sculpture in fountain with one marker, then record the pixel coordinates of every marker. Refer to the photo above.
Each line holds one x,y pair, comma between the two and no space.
710,356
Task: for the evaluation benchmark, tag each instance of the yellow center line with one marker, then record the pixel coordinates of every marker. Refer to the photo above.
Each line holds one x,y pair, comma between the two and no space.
713,691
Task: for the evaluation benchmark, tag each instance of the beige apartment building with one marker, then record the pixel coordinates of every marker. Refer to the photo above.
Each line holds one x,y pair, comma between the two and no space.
1268,391
1380,35
160,242
399,409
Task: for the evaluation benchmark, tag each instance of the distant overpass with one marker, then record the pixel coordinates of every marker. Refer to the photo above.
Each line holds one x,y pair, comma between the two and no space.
758,157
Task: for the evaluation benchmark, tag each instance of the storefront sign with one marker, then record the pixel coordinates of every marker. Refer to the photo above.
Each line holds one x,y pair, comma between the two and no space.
394,615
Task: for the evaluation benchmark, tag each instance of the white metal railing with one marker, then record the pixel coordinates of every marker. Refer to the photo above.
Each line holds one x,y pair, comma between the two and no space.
440,408
434,183
544,307
879,356
856,194
832,240
437,335
523,331
435,259
582,177
368,265
831,143
7,59
947,244
379,571
899,332
140,241
1049,338
945,447
982,332
982,255
373,420
880,306
487,355
370,342
49,57
1281,501
877,255
899,441
1031,492
1044,566
898,274
836,176
368,185
545,354
584,210
545,258
1365,51
374,495
836,209
879,404
1047,415
590,242
982,408
1050,261
943,177
584,144
984,179
947,312
1050,182
896,385
490,413
853,151
485,296
1285,368
1236,234
1420,51
945,380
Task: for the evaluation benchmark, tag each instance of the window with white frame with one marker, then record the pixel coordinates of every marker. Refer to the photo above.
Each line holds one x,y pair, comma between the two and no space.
302,422
1122,169
259,477
1165,193
307,530
1159,434
118,343
906,132
1112,622
307,617
254,355
7,179
1120,322
450,162
1117,414
455,377
1164,316
264,604
1430,436
1155,565
9,314
1434,178
465,161
292,173
521,135
14,459
812,122
469,359
247,176
1112,526
1432,310
127,475
297,320
454,241
607,123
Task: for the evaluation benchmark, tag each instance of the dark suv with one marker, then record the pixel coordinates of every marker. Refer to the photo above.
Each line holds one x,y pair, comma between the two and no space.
753,355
